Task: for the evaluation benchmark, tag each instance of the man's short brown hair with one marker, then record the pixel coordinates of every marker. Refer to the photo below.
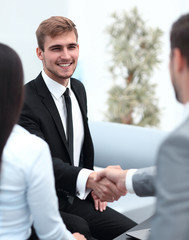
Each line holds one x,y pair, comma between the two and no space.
53,27
179,36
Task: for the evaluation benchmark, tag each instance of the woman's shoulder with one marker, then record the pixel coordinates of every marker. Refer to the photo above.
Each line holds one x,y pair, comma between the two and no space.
24,145
22,137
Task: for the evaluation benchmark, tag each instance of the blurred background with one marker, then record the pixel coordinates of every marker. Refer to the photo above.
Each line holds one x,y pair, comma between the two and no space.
19,20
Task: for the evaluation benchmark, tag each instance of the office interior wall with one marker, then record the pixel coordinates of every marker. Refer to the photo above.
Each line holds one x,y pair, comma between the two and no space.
19,20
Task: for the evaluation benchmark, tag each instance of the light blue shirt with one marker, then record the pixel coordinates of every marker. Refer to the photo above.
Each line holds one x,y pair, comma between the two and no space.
27,193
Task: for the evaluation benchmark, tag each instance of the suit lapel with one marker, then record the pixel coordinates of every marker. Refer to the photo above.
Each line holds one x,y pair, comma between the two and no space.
78,97
49,103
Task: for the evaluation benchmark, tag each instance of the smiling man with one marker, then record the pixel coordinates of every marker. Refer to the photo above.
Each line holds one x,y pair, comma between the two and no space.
59,56
55,109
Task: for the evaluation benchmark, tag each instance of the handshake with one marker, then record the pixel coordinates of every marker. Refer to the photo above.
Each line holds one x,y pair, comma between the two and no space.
108,184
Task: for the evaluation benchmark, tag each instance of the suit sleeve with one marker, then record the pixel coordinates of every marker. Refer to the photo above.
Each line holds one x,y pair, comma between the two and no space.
171,219
143,181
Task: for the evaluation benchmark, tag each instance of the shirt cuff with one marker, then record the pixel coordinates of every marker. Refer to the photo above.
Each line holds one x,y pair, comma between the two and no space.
83,175
129,180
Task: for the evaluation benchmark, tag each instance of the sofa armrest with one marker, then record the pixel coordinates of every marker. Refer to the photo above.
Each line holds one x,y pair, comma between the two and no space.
125,145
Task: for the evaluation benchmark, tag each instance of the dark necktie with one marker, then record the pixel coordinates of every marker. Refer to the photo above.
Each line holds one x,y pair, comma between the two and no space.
69,122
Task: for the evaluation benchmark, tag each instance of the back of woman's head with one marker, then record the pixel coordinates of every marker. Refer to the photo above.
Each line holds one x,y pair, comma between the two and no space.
11,92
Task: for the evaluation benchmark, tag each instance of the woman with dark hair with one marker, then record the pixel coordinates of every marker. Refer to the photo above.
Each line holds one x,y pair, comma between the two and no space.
27,193
11,92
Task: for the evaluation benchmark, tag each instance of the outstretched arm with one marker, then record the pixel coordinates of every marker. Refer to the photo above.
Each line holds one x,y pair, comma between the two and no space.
140,182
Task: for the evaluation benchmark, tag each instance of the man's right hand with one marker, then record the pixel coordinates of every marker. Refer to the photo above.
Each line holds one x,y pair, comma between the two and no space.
115,174
104,188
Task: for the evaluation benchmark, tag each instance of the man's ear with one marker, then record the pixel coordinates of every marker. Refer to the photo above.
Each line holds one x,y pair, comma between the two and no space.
179,59
39,53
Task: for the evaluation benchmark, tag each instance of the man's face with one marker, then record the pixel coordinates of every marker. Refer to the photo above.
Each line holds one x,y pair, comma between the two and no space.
60,56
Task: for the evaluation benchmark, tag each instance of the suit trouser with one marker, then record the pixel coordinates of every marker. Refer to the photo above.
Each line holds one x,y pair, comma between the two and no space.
82,217
76,224
85,219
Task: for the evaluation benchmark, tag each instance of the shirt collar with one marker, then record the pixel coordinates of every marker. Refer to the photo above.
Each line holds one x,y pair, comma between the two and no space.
186,111
56,89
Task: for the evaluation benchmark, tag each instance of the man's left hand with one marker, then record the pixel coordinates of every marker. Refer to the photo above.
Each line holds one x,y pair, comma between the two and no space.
99,205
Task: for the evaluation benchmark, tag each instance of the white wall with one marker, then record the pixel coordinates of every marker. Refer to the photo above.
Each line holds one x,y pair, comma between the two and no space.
94,16
19,20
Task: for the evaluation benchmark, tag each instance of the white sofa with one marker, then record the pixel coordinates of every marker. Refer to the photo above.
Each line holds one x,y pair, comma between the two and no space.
130,147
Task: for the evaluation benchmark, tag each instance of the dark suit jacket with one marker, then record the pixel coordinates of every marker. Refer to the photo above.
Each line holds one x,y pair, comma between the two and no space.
40,116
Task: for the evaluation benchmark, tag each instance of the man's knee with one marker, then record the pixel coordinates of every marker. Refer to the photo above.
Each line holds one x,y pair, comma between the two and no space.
75,223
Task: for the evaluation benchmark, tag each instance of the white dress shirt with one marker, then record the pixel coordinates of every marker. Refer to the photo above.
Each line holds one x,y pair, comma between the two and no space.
131,172
27,192
57,90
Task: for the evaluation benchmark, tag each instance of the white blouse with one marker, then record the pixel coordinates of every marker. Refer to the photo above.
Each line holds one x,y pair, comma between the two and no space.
27,192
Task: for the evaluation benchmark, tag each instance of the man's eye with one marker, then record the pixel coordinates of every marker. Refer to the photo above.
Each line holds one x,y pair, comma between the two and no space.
56,49
72,46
